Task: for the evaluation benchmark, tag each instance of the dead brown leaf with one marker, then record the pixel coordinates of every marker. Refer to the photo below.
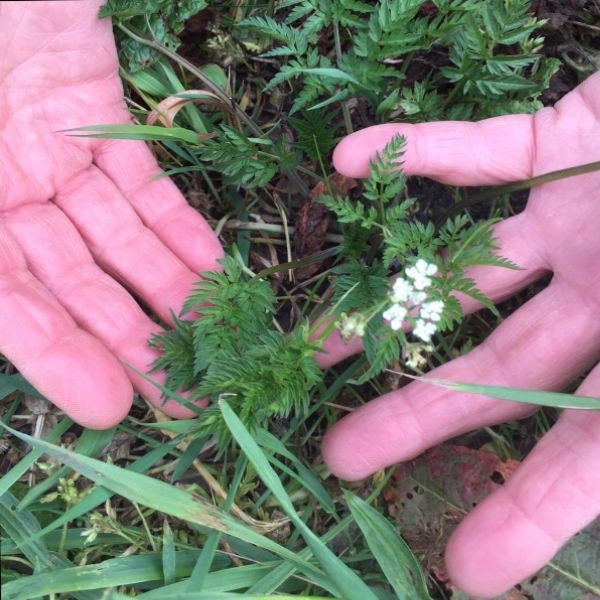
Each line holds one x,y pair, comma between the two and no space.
313,221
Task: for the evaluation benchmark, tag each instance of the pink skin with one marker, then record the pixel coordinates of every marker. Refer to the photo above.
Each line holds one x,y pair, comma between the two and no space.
545,344
80,221
80,224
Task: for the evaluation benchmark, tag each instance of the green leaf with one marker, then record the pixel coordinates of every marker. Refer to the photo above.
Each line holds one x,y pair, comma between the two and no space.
303,475
346,581
23,529
10,478
136,132
160,20
14,383
169,556
127,570
99,494
90,443
538,397
394,556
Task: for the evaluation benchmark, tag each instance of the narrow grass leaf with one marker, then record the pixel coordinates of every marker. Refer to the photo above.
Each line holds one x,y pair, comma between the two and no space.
170,500
14,383
169,556
303,475
125,570
223,580
395,558
183,426
22,527
71,540
99,495
135,132
538,397
349,585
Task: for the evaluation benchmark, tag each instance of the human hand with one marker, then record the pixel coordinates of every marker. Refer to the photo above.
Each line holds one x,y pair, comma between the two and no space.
545,344
81,222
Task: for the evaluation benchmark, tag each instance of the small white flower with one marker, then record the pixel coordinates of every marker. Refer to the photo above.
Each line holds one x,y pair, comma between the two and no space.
402,290
420,273
395,314
424,330
418,297
432,311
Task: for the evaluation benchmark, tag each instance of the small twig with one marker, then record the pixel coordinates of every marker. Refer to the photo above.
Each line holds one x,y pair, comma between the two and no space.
272,228
489,193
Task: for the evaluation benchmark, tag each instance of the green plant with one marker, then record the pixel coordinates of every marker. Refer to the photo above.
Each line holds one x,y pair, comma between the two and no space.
490,47
234,349
163,20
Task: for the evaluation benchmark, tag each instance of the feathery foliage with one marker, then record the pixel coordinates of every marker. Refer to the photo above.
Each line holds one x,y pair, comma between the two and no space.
491,45
233,350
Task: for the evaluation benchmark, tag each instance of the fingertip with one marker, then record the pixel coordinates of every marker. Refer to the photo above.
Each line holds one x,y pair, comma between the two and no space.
343,453
484,556
353,155
464,568
84,380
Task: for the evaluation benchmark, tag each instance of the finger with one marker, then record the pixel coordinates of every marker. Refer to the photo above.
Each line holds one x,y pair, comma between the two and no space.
64,363
542,345
518,240
123,245
57,256
159,204
554,494
487,152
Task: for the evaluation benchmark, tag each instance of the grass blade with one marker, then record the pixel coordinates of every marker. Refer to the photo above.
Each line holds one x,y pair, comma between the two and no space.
303,475
125,570
172,501
91,443
27,462
14,383
349,585
538,397
395,558
135,132
169,556
22,527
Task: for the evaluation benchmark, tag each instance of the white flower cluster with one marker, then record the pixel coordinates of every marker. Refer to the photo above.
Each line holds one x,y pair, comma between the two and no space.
410,293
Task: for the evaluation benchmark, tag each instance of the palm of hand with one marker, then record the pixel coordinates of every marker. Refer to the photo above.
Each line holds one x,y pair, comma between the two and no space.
78,215
549,341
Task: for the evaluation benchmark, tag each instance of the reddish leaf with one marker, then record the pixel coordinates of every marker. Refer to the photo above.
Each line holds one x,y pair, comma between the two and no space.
429,496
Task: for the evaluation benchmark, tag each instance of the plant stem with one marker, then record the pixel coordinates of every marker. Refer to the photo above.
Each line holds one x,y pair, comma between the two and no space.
338,57
489,193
